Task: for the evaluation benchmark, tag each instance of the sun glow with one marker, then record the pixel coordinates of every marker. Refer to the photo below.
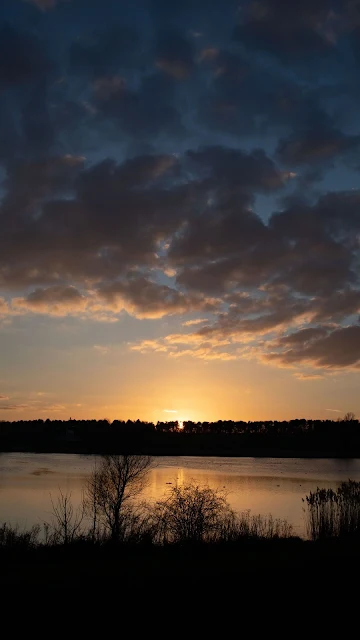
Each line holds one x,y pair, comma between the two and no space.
180,425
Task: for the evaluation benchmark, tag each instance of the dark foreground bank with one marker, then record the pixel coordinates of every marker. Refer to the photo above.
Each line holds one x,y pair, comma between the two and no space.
81,567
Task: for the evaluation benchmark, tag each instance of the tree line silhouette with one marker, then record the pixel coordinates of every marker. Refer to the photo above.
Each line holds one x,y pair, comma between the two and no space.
224,437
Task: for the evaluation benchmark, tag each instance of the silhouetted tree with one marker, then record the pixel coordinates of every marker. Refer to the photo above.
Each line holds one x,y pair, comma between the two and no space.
349,416
112,488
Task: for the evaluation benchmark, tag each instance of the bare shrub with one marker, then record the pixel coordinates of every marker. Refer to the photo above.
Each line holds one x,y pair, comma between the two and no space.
13,537
192,513
67,521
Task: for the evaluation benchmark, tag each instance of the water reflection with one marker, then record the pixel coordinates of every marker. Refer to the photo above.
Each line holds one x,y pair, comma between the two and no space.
266,485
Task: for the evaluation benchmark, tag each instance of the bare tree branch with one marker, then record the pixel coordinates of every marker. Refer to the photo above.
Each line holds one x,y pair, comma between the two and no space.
112,489
67,521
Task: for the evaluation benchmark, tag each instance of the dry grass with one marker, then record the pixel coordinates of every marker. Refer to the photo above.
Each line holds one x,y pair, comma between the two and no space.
334,514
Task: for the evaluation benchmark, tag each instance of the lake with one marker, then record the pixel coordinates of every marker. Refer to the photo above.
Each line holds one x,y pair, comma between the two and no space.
263,485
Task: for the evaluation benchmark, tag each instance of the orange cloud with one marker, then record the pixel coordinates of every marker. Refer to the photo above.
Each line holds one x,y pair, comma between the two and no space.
189,323
176,69
308,376
4,307
208,54
173,345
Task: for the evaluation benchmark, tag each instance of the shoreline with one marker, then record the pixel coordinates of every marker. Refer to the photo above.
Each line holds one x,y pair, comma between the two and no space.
197,453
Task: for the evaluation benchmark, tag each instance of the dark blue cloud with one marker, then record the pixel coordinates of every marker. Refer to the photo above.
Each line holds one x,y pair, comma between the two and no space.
138,141
294,32
22,57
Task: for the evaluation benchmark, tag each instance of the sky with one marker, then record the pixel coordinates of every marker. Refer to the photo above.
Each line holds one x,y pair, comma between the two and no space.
179,209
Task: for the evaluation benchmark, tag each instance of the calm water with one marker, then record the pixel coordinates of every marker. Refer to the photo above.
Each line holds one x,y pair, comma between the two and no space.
263,485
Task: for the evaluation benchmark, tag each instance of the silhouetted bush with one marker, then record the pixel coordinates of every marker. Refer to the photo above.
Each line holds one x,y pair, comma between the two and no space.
13,538
192,513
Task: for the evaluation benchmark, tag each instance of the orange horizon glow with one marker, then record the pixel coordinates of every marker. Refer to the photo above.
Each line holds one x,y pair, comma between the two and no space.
153,387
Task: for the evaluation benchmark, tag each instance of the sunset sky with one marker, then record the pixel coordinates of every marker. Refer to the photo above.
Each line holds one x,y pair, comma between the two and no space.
180,209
